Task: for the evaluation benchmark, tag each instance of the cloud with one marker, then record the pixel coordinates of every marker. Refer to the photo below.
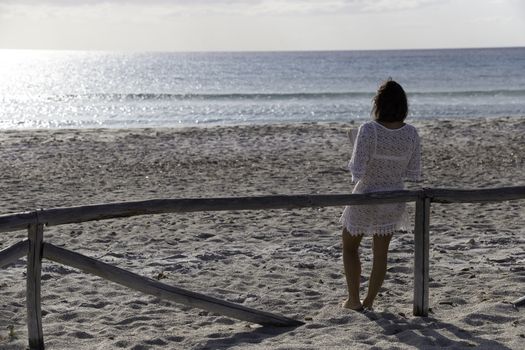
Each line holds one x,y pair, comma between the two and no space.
397,5
232,7
492,20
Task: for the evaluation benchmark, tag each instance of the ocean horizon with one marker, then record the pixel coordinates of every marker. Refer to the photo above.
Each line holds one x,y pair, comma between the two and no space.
98,89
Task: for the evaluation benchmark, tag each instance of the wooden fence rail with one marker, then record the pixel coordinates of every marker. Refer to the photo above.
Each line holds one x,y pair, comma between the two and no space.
35,248
13,253
161,290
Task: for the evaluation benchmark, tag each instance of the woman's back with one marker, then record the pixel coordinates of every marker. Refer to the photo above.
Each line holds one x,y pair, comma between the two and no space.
383,157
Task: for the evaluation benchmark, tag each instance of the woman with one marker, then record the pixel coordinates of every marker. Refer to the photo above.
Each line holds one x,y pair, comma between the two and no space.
386,152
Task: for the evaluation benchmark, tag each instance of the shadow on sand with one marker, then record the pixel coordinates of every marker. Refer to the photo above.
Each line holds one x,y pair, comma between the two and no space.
253,336
421,333
430,333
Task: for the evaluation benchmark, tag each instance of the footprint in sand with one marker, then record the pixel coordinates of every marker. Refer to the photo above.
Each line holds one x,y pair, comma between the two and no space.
80,335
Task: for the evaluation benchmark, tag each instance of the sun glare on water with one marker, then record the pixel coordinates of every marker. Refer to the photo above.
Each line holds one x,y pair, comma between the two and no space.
30,79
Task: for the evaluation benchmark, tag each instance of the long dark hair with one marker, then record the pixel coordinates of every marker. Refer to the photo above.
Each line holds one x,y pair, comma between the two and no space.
390,103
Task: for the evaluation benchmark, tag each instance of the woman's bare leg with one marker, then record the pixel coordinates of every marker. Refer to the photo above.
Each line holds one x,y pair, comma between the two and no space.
352,266
380,250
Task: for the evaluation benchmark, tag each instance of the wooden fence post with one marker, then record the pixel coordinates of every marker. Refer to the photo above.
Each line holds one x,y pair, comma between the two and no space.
421,256
34,264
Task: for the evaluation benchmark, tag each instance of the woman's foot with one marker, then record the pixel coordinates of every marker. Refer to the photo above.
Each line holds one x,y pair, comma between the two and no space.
367,304
347,304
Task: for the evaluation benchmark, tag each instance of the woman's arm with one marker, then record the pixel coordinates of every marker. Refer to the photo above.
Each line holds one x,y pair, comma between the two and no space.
413,172
360,153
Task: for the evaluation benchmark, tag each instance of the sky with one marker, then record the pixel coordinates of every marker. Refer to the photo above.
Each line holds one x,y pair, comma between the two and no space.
260,25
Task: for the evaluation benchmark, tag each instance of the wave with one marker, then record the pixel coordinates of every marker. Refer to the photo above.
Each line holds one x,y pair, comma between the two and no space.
278,96
218,96
470,93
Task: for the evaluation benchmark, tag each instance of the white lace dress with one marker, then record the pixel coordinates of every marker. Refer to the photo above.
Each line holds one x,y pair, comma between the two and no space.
381,160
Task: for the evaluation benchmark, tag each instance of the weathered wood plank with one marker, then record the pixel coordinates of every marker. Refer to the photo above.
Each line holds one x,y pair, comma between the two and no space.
443,195
34,268
13,253
163,291
18,221
519,301
59,216
106,211
421,256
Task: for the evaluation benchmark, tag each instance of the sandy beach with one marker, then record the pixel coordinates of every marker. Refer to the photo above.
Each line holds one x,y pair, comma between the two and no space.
282,261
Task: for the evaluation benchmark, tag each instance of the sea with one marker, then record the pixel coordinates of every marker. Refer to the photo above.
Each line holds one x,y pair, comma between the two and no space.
85,89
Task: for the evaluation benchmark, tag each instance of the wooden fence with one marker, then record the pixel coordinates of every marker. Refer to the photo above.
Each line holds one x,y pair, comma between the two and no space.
35,248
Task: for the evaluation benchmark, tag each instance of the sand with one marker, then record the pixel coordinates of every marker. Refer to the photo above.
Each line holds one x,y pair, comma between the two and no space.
283,261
